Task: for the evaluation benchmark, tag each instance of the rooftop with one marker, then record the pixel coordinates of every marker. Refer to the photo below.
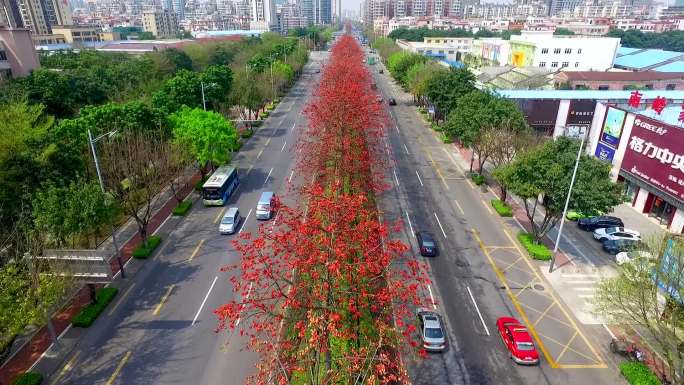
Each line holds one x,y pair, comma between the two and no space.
623,76
674,67
673,96
645,58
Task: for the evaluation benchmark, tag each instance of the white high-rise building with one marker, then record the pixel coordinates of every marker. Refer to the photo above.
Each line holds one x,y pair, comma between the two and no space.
264,15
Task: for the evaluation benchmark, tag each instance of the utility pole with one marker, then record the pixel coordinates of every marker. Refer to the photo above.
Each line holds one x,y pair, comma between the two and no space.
204,102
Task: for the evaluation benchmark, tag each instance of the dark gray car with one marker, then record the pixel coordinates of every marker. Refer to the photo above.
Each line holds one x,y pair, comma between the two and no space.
593,223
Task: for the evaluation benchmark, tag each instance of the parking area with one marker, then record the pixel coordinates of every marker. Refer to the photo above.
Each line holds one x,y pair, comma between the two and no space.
558,336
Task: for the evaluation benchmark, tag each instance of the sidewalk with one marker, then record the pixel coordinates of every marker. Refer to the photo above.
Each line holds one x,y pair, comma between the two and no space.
26,355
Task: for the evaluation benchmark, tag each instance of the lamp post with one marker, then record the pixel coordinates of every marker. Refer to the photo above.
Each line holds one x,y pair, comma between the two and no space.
567,202
102,187
204,101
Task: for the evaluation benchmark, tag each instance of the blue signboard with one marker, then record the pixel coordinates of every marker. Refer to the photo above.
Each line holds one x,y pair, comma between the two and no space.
672,277
604,152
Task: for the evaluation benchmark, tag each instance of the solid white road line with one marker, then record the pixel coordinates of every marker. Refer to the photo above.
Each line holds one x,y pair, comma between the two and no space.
419,180
409,222
406,148
395,176
440,225
249,291
477,308
245,221
284,144
293,126
268,176
459,207
432,298
204,301
290,178
609,331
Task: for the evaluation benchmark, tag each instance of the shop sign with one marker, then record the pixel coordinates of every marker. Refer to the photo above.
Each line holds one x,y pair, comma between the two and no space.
581,112
655,154
604,152
540,114
612,126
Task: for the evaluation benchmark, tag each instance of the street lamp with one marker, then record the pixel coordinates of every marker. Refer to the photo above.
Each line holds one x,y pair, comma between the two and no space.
204,101
567,202
102,187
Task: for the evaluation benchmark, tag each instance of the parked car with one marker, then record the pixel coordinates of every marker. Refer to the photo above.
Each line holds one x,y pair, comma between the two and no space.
230,221
611,233
392,102
593,223
518,341
427,244
620,245
431,331
629,256
573,215
381,71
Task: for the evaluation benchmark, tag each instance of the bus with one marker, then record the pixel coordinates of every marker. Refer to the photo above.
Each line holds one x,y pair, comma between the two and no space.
220,185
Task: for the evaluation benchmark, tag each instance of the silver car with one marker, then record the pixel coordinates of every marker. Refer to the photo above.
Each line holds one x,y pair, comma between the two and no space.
614,233
431,331
230,221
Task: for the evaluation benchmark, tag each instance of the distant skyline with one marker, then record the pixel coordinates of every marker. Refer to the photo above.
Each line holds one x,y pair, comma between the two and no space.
351,4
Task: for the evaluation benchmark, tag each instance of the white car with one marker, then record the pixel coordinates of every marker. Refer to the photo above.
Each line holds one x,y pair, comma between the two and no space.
626,257
614,233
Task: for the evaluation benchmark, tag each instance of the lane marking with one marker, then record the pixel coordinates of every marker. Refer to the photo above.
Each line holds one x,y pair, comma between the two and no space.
395,176
609,331
204,301
290,178
293,125
487,207
268,176
406,148
440,225
249,169
472,298
119,367
432,298
459,207
163,300
121,299
194,252
67,367
419,180
467,179
283,148
437,170
409,222
259,154
245,221
268,141
220,214
249,291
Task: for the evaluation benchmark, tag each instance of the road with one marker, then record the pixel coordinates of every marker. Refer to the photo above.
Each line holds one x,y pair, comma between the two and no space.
160,329
480,274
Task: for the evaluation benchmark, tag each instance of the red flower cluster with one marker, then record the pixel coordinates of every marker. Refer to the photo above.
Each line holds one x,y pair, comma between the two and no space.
321,297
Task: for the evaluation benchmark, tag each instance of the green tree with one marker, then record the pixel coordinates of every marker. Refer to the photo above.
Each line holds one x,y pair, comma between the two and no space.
184,89
444,89
399,63
146,36
418,76
385,47
53,90
208,136
217,80
543,176
246,93
563,32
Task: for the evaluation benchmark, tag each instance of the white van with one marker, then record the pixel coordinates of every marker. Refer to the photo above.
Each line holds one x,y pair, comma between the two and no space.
230,221
265,206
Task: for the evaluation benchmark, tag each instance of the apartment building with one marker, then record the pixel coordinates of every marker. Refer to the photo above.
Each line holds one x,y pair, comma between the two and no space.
442,48
162,24
17,54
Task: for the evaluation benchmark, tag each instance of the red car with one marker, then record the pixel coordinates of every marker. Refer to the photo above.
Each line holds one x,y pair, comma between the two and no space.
518,341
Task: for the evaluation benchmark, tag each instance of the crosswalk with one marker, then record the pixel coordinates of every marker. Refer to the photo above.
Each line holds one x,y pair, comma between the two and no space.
577,288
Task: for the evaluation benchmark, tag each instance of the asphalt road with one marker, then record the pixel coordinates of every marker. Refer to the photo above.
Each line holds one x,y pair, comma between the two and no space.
161,329
480,274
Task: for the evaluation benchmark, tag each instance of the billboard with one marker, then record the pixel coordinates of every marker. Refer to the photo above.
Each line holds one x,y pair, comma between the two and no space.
612,126
581,112
604,152
540,114
655,154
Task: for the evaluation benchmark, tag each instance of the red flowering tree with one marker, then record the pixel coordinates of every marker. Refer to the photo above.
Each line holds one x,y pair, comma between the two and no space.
323,296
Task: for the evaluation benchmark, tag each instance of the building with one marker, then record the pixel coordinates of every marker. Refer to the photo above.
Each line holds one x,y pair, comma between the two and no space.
290,17
40,15
491,52
83,33
636,59
656,26
586,28
559,7
17,54
448,49
650,80
162,24
9,14
264,15
577,53
322,12
178,6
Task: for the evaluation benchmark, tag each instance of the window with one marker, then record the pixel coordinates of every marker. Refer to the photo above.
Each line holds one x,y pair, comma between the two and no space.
451,52
542,64
576,64
579,50
441,51
3,56
556,50
545,50
568,50
565,64
603,87
554,64
669,87
649,86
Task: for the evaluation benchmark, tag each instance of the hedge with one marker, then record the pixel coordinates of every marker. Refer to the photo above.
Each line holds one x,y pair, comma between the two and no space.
502,208
200,183
182,208
89,314
477,178
445,138
246,133
145,250
537,251
637,373
256,123
29,378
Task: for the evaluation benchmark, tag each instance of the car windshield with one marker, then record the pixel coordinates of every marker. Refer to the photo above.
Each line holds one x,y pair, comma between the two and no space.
611,230
261,207
428,243
227,220
433,333
525,346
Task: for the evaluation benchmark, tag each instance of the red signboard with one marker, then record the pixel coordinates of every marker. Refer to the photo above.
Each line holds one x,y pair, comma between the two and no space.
655,154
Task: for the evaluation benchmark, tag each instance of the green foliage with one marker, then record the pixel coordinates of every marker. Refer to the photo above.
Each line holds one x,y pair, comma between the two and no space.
146,249
89,314
634,38
477,178
445,139
246,134
145,36
563,32
217,80
173,60
478,111
506,35
385,47
200,183
418,77
182,208
29,378
637,373
184,89
400,62
502,208
445,87
207,134
538,251
417,34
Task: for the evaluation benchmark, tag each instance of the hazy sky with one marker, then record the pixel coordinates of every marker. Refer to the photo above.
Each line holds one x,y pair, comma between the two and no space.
351,4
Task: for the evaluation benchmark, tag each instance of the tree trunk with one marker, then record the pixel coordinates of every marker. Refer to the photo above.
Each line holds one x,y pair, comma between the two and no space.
93,293
504,193
472,159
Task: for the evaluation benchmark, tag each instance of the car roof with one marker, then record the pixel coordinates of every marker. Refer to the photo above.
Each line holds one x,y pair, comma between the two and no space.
520,333
231,212
426,236
431,320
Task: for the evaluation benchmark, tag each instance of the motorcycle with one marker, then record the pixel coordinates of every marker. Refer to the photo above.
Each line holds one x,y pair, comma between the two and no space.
626,349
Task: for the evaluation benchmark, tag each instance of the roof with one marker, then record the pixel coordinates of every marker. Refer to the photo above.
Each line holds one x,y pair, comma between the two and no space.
677,66
219,176
646,58
623,76
626,50
588,94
